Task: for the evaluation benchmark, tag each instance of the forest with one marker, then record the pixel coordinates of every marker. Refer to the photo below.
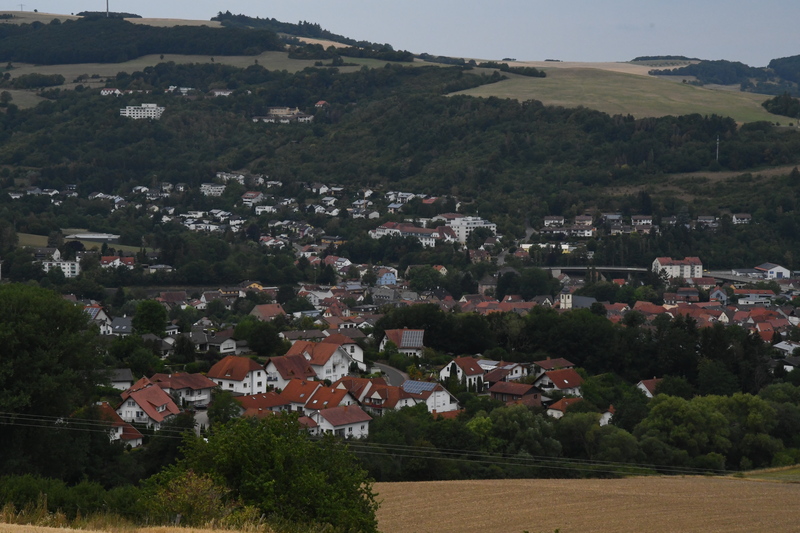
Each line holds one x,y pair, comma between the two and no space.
782,75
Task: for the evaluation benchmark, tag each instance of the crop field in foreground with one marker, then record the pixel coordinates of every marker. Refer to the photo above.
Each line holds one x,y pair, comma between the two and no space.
651,504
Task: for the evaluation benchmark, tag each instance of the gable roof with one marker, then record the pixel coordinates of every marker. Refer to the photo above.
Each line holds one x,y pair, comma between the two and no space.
563,403
326,398
469,365
233,368
650,384
317,353
299,391
108,414
348,414
406,338
150,399
554,364
260,405
565,379
510,387
292,366
182,381
358,386
267,311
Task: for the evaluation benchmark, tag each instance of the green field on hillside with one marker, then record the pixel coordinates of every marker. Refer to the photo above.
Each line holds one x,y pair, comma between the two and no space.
618,93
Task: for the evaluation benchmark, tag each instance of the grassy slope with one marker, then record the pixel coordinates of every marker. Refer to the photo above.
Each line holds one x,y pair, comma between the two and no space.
655,505
628,93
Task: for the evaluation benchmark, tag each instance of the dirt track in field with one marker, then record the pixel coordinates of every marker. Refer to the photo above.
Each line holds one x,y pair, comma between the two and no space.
651,505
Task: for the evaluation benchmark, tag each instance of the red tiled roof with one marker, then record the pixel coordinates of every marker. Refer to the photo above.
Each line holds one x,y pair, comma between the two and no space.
469,365
182,381
563,403
299,391
348,414
318,353
509,387
267,311
260,404
651,384
565,379
554,364
327,397
150,399
292,366
233,368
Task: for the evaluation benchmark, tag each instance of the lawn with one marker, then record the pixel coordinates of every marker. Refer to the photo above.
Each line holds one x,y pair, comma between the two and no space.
651,504
628,92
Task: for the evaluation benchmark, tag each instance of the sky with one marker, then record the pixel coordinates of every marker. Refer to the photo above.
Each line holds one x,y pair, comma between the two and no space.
533,30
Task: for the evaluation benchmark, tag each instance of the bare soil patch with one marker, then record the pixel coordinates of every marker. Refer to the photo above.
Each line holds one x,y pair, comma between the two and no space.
653,504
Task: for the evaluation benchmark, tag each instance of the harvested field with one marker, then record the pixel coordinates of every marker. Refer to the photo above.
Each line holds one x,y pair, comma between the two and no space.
652,504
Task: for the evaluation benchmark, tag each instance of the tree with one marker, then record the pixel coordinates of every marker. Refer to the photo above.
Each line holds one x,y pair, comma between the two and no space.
150,317
49,367
223,408
5,98
288,475
184,352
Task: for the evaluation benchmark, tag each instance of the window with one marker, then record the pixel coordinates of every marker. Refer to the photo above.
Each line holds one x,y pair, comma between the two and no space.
352,349
244,385
350,429
258,384
230,385
258,374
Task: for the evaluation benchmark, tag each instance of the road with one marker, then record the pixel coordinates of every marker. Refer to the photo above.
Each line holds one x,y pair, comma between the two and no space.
393,376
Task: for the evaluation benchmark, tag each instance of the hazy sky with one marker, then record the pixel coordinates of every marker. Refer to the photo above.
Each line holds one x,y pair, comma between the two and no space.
571,30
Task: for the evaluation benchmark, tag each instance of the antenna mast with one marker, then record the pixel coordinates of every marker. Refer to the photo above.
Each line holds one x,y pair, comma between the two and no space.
22,7
717,148
106,8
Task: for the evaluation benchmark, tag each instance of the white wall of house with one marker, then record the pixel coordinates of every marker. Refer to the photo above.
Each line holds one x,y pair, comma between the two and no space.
254,382
356,431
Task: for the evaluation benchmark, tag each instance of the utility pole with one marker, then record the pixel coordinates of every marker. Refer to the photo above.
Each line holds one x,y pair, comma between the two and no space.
22,7
717,148
106,8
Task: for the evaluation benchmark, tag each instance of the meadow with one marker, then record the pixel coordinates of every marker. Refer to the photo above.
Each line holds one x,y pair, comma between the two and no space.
652,504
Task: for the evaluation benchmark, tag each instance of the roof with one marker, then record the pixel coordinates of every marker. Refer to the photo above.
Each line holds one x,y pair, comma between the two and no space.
182,381
150,398
258,404
469,365
292,366
554,364
121,374
341,416
299,390
233,368
406,338
565,379
564,403
357,386
509,387
267,311
317,353
326,397
650,384
664,261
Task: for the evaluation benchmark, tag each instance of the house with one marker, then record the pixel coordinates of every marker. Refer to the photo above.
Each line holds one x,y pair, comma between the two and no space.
553,221
151,111
121,378
122,326
328,397
436,397
408,341
641,220
267,312
191,389
112,261
261,405
297,392
251,198
464,226
505,391
329,360
212,189
281,370
239,375
607,415
146,403
350,346
99,317
119,429
648,386
566,381
466,370
546,365
348,421
559,408
382,398
741,218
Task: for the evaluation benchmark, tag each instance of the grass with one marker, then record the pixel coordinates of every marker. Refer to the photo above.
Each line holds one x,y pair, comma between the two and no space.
788,474
628,93
652,504
40,241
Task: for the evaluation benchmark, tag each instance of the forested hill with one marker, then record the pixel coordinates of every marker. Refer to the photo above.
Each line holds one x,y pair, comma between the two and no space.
301,29
782,75
101,40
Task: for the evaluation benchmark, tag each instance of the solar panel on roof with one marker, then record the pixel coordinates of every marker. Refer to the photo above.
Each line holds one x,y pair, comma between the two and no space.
411,338
417,387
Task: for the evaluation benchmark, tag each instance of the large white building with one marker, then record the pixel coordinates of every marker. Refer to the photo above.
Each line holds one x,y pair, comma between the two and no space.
143,111
464,226
688,267
212,189
71,269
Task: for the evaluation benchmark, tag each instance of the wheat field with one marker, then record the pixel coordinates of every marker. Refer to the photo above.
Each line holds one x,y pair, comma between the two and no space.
642,504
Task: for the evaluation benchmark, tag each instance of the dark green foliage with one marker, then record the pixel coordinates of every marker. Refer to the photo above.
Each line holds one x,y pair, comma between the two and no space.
35,81
150,317
522,71
721,72
101,40
783,105
787,67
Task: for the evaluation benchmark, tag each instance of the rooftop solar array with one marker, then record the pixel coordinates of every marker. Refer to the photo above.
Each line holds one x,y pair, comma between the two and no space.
417,387
412,338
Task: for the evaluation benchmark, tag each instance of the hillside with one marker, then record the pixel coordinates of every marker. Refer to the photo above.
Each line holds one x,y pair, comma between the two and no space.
655,505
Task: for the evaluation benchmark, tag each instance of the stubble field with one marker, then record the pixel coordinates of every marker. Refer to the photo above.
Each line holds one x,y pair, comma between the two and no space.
652,504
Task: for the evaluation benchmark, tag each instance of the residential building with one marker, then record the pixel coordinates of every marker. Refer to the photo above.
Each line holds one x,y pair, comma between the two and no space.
239,375
71,269
466,370
347,421
152,111
464,226
689,267
146,403
408,341
191,389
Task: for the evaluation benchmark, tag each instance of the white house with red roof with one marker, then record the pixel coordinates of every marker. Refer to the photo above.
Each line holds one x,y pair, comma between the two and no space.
281,370
436,397
263,404
146,403
559,408
327,397
297,392
239,375
330,361
119,429
466,370
648,386
408,341
267,312
348,421
545,365
353,349
565,381
114,261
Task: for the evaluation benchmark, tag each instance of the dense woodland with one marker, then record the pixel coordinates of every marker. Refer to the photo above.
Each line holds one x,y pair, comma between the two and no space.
782,75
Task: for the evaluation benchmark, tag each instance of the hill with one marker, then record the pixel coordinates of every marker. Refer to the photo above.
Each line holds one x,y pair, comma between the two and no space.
656,505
